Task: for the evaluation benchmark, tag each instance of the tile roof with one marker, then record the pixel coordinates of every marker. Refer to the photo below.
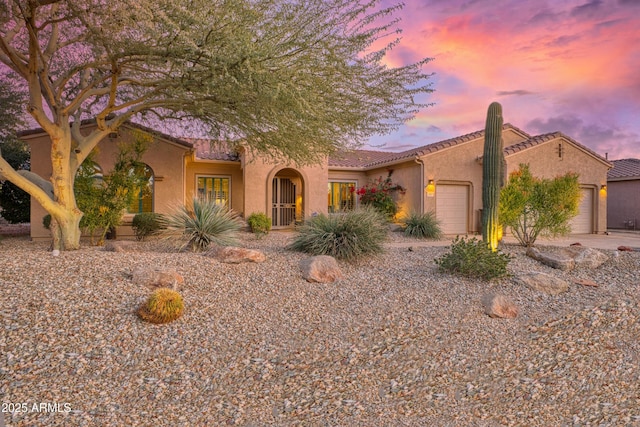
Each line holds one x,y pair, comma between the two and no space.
539,139
624,168
375,158
359,158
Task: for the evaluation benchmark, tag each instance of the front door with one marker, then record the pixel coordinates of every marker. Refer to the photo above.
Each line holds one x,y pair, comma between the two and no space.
283,210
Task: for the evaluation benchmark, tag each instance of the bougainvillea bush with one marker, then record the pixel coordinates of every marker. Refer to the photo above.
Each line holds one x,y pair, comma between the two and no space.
379,195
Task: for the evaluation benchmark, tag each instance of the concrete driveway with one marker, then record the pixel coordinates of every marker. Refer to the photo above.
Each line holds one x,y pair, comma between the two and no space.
596,241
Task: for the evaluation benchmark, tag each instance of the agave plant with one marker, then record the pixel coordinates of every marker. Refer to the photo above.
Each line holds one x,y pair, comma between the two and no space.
203,223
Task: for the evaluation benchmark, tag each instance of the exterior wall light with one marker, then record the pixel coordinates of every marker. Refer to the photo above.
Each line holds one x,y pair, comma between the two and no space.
431,188
603,190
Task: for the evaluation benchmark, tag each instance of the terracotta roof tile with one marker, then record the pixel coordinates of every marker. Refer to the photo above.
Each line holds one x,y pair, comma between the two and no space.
624,168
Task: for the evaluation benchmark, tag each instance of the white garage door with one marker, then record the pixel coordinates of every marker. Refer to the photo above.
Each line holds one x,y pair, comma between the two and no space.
452,208
583,222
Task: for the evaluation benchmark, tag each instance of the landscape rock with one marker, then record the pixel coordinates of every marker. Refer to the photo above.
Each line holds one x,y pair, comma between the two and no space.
585,257
120,246
568,258
321,269
499,306
586,282
233,255
157,278
543,282
560,261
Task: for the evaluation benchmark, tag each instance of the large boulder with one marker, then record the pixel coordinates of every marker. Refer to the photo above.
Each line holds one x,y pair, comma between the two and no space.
233,255
569,258
560,261
321,269
499,306
543,282
157,278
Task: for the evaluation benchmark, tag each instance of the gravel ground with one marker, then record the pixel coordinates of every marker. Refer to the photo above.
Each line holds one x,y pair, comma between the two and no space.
395,343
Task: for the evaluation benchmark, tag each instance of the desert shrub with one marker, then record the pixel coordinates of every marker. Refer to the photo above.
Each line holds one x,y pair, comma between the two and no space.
163,306
344,236
533,207
422,226
203,223
147,224
259,223
473,258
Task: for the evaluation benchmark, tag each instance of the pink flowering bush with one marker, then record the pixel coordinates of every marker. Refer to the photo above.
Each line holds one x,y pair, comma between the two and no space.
379,195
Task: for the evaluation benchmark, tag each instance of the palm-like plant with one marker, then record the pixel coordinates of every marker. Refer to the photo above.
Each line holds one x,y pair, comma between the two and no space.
203,223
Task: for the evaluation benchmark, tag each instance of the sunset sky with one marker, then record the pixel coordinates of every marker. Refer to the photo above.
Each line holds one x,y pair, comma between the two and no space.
559,65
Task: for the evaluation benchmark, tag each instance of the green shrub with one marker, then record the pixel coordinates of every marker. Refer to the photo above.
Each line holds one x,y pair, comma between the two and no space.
46,221
163,306
259,223
206,223
473,258
422,226
343,236
147,224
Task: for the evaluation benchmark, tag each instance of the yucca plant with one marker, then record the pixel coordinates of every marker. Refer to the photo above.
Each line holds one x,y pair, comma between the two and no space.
203,223
344,236
163,306
422,226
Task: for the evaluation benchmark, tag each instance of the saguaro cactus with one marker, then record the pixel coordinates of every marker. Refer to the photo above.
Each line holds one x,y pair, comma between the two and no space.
492,175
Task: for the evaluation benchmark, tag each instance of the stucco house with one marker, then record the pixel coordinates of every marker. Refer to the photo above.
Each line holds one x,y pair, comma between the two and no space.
623,195
444,177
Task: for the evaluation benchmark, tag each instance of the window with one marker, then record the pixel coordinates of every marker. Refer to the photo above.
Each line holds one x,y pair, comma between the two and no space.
143,202
214,188
342,196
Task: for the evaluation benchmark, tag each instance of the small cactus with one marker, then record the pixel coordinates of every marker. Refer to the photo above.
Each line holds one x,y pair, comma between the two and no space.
163,306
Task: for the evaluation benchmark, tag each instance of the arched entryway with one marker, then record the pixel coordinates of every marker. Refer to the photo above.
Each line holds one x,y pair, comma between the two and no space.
286,198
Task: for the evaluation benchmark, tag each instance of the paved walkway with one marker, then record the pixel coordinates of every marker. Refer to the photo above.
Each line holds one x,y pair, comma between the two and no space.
596,241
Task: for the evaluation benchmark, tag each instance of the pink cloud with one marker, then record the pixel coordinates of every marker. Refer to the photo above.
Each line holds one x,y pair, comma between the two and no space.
546,62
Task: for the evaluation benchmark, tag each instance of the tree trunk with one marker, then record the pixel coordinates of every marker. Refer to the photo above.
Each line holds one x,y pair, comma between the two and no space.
66,231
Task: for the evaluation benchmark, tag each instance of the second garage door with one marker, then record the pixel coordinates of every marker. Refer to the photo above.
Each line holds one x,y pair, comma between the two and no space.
583,222
452,208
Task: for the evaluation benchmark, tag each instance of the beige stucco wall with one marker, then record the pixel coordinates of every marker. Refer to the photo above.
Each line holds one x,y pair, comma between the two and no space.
165,158
258,174
545,162
228,169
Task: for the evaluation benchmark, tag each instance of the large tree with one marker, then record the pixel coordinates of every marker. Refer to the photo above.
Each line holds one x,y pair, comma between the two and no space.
287,78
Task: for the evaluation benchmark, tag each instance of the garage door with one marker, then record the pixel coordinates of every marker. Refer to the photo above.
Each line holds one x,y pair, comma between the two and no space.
452,208
583,222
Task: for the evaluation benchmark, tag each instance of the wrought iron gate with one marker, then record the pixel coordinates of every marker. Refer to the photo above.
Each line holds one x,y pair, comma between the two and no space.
283,211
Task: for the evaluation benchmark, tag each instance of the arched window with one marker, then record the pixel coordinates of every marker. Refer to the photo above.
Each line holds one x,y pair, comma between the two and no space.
143,201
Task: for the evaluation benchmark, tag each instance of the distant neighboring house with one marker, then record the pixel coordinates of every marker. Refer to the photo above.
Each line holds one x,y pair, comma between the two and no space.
444,177
623,195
